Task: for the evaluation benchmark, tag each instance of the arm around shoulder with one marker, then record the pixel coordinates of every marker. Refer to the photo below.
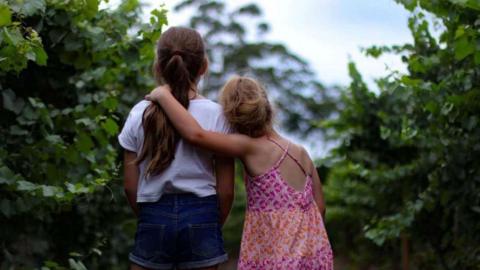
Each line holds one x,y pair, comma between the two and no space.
235,145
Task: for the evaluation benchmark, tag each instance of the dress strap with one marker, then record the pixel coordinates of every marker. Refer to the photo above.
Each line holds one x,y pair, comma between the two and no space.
285,153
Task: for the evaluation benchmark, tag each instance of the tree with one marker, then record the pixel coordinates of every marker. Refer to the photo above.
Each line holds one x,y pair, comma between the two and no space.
67,72
407,167
232,49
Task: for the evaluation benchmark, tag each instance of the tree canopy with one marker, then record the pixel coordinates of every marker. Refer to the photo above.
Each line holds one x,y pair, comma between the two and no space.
407,165
68,74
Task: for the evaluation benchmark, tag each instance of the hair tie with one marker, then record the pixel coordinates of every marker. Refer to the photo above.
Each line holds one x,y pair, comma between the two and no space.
176,52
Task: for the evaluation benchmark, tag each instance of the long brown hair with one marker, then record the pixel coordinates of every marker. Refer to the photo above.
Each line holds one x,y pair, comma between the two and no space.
180,60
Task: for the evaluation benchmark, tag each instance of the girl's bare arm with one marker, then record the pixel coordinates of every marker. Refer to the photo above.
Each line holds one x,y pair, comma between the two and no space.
130,182
235,145
225,176
318,192
317,183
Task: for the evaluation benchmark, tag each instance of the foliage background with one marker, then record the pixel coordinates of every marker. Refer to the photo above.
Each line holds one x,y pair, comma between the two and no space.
407,167
403,179
69,72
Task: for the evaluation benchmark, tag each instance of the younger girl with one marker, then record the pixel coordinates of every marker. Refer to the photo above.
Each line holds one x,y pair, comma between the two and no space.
171,185
283,225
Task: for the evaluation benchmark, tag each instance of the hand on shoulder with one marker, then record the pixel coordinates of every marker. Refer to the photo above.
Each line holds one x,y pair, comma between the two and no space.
157,93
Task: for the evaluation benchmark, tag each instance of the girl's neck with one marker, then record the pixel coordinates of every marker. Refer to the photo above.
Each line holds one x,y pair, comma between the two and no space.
272,133
193,93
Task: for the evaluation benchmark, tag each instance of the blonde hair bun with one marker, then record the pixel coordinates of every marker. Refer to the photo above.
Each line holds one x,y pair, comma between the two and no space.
246,106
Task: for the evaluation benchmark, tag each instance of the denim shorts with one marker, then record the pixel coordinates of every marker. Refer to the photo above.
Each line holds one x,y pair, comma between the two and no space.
180,231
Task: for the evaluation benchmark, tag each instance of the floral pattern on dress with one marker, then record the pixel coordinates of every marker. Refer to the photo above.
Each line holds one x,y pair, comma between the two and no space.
283,228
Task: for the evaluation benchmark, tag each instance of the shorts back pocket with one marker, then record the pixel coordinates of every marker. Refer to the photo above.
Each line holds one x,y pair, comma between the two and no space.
149,241
205,239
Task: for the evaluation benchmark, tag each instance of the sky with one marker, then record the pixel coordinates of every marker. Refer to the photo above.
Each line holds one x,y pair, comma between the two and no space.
329,33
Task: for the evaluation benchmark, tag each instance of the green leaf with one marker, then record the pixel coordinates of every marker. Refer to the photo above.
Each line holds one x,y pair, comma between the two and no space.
71,44
36,103
12,36
91,8
476,209
26,186
49,191
471,123
97,251
40,56
473,4
16,130
53,265
459,2
409,4
110,103
385,132
75,254
5,15
460,32
54,139
5,180
431,107
8,97
129,5
86,121
29,7
31,55
76,265
110,126
6,176
70,187
96,30
463,48
447,108
6,208
83,142
477,58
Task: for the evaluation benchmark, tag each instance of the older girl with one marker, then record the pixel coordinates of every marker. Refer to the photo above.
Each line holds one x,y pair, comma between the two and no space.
170,183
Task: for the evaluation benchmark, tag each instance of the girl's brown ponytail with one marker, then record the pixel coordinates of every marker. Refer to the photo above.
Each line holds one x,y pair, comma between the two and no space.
179,63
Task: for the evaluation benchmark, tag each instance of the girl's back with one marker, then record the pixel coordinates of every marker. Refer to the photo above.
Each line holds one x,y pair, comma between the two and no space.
283,228
192,169
292,170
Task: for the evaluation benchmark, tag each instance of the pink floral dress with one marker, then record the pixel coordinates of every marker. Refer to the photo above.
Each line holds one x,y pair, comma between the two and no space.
283,228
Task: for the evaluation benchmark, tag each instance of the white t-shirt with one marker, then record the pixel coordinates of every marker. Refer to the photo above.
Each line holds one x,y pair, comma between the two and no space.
192,169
